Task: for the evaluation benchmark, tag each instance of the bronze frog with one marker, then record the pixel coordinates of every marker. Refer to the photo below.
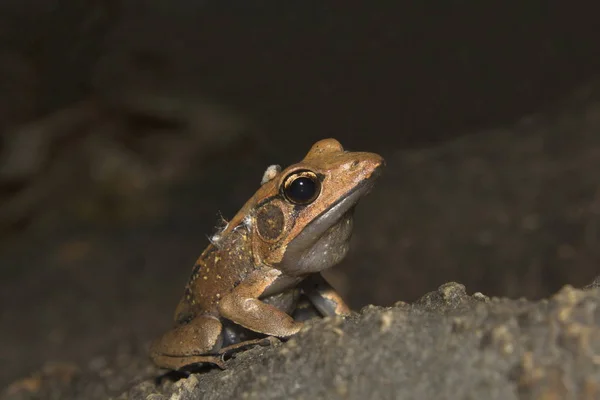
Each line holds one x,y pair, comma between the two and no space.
260,275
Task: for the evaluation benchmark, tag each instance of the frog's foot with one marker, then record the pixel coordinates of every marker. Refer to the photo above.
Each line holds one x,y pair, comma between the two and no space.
238,347
186,363
323,297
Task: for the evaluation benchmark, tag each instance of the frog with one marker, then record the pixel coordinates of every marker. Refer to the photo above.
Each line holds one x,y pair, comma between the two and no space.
260,277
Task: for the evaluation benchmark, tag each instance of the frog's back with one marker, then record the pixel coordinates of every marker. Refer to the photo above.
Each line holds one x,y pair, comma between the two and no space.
222,265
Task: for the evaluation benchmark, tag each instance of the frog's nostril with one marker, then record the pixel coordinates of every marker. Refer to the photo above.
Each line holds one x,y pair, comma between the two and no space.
354,164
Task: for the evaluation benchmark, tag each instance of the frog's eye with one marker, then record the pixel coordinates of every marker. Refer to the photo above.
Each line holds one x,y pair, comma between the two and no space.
301,187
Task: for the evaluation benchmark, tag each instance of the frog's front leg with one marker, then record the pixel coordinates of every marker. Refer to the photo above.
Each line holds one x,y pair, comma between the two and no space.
324,297
242,306
191,343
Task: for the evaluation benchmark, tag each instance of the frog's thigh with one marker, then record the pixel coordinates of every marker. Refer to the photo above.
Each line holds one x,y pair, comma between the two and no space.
324,297
189,344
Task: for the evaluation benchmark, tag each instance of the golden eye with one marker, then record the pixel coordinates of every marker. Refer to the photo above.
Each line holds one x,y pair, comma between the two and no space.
301,187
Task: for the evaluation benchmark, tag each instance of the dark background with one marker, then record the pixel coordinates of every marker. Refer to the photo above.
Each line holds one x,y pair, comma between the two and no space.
127,126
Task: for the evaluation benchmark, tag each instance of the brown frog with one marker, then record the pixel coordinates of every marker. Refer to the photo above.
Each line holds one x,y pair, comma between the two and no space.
260,275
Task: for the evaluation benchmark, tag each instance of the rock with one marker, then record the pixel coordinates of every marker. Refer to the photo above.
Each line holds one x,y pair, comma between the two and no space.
448,342
594,284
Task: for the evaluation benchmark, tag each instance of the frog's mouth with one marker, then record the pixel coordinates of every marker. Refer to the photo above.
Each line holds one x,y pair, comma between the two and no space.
338,210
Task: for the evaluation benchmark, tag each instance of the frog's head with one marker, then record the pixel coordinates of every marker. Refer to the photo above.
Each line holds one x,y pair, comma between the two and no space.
301,218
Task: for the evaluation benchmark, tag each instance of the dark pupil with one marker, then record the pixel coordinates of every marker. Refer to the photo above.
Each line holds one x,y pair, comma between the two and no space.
301,190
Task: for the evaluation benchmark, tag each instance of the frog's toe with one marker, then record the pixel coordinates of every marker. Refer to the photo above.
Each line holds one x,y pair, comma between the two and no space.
189,363
238,347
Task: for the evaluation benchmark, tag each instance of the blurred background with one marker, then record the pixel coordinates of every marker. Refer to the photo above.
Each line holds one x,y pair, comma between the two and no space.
127,126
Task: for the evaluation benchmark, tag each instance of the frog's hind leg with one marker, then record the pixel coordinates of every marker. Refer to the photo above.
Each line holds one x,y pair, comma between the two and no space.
198,341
